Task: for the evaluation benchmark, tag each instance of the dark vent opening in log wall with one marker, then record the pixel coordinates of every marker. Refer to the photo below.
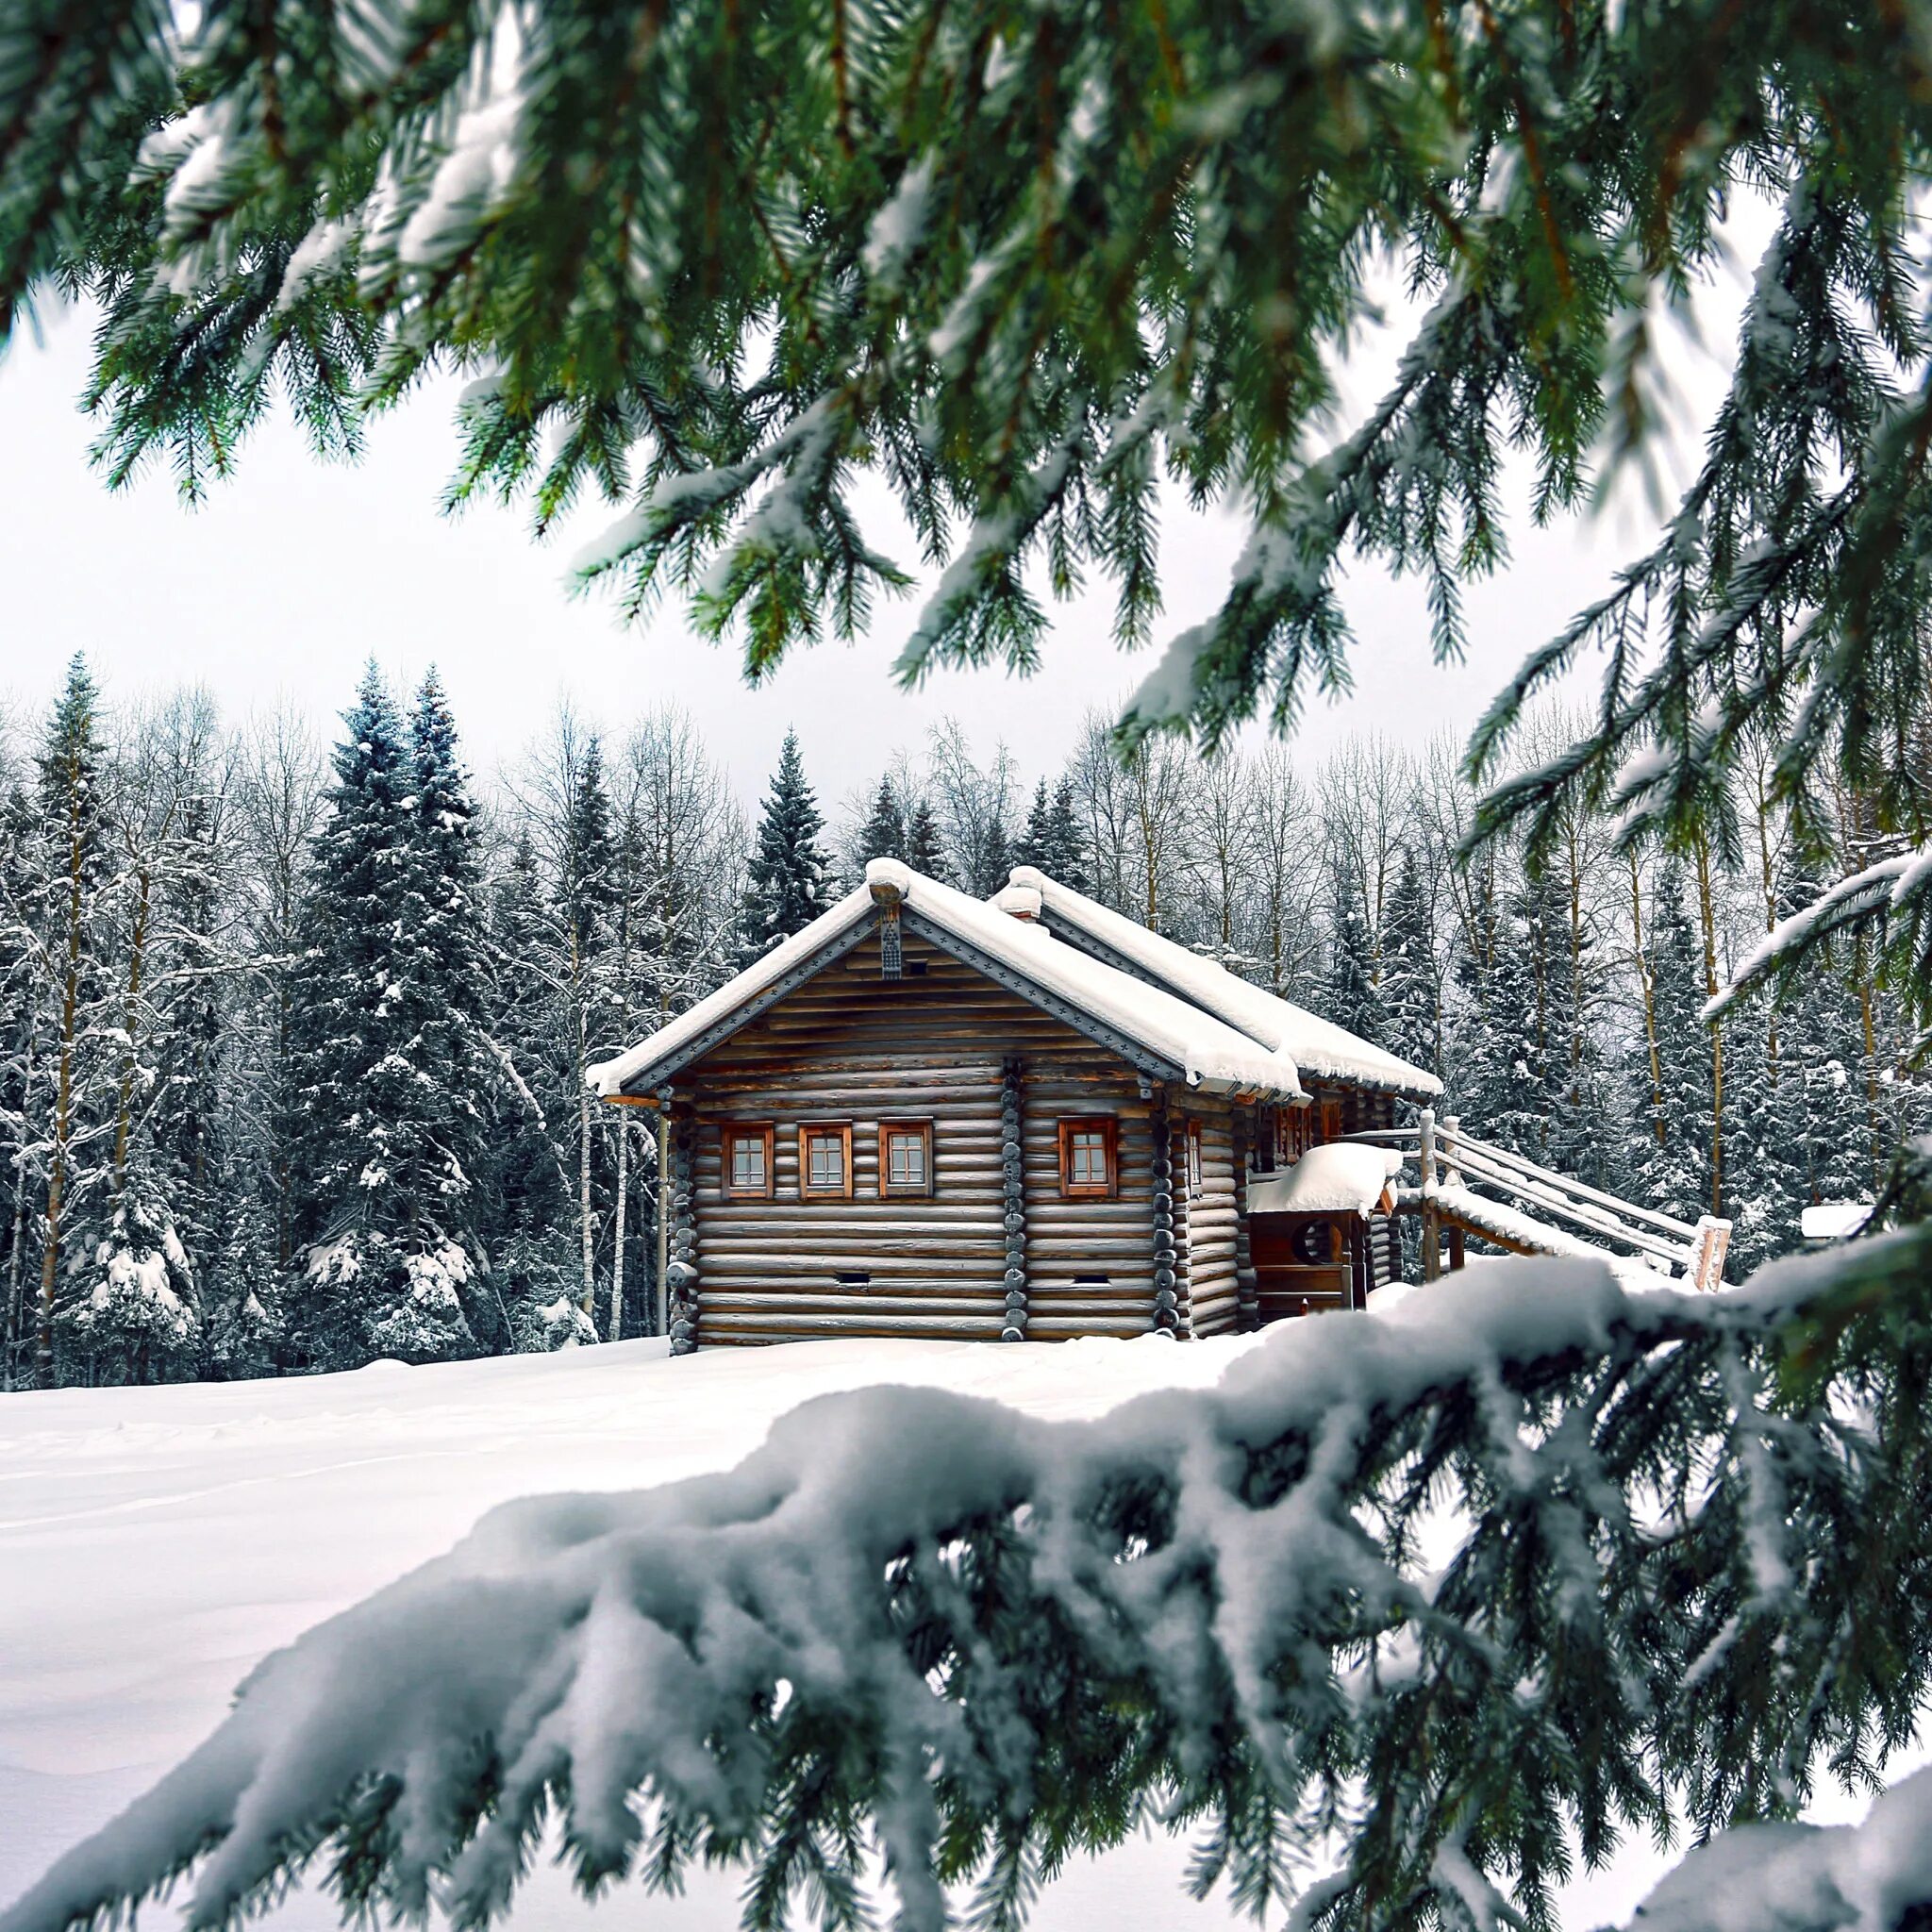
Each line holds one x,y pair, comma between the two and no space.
853,1279
1091,1280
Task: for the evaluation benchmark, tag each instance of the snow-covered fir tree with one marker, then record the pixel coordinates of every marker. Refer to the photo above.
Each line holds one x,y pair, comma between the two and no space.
1411,982
1670,1126
534,1242
589,914
926,850
1067,842
388,1256
1035,841
1350,995
68,892
788,887
883,835
134,1308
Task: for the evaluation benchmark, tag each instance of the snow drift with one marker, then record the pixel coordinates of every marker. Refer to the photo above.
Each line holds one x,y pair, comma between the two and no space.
987,1640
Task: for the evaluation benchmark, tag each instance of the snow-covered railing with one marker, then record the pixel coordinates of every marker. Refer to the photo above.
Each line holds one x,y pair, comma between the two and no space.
1543,1206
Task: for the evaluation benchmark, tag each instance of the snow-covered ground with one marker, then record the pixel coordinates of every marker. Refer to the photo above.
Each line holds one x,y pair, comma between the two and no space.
155,1543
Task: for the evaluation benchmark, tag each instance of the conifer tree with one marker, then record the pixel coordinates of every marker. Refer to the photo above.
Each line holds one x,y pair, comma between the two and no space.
1498,1080
67,907
429,1080
533,1233
194,1022
1067,841
1804,1130
1671,1128
589,911
241,1280
1036,836
382,1220
137,1314
1412,984
1351,997
926,850
22,1015
789,871
883,835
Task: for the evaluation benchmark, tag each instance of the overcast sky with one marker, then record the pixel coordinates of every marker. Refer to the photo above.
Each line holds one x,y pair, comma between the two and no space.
290,576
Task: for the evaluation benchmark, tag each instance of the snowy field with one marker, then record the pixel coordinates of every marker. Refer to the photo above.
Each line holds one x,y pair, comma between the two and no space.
156,1543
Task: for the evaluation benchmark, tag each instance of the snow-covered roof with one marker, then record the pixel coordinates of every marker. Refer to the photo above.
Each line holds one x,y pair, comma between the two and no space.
1341,1177
1317,1047
1208,1050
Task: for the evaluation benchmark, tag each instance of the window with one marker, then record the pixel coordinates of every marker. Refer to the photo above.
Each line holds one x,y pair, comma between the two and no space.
748,1162
906,1158
1331,1119
1193,1158
825,1162
1294,1133
1089,1162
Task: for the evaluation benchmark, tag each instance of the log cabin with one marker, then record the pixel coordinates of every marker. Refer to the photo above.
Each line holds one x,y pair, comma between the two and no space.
1021,1119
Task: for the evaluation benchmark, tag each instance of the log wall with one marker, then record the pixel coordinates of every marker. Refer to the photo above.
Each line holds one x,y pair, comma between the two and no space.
850,1046
1213,1301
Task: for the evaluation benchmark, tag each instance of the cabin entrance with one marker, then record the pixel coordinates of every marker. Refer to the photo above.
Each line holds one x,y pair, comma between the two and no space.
1303,1263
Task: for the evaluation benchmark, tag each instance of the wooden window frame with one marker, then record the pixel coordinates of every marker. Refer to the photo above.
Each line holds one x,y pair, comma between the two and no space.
1331,1119
730,1135
1196,1166
1109,1129
841,1131
898,1190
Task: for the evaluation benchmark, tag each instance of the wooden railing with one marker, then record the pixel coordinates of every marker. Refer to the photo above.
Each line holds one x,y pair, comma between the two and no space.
1452,1166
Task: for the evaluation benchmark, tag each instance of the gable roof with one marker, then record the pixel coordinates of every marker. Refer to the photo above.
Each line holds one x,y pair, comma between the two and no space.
1314,1047
1168,1034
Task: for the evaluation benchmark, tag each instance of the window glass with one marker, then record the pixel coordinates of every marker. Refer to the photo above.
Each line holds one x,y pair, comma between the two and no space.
1193,1157
825,1156
1089,1155
905,1157
748,1171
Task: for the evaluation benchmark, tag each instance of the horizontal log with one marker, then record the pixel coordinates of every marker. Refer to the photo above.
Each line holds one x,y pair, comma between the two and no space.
802,1327
1079,1327
1215,1258
884,1220
866,1308
1042,1247
853,1252
776,1264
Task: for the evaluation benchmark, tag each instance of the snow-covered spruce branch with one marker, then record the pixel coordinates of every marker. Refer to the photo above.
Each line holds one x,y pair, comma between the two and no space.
1394,488
1892,896
981,1641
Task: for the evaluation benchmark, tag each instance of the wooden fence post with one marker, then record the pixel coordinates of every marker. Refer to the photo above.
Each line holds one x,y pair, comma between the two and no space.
1432,1215
1708,1249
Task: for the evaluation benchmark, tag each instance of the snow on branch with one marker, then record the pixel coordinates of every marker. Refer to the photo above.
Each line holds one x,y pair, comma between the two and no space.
1893,888
976,1641
1874,1876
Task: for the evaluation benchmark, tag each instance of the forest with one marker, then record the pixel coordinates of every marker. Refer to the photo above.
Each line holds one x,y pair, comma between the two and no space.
292,1031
